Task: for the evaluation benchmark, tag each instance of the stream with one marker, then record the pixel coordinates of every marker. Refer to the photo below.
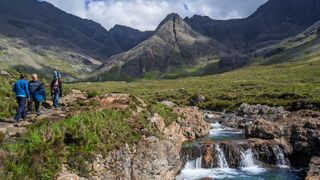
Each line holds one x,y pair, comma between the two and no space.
248,166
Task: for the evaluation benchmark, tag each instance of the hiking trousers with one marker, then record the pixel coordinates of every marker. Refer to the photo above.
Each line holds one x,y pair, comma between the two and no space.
36,103
21,111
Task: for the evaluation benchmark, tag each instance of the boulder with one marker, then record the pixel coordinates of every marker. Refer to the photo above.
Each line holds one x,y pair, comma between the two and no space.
314,169
158,122
263,129
261,111
156,159
47,104
305,139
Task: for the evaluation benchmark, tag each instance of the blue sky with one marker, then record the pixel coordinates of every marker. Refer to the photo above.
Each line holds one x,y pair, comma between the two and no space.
147,14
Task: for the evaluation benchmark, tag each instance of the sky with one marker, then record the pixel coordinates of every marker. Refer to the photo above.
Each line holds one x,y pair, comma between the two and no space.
147,14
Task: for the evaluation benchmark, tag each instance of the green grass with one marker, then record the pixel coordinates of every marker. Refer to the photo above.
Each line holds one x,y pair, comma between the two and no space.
39,153
292,85
7,98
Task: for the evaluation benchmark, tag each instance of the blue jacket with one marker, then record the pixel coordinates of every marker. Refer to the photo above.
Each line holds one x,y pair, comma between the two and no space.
21,88
37,91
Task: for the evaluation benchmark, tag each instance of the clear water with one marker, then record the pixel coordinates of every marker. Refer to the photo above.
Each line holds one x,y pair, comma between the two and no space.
249,170
239,174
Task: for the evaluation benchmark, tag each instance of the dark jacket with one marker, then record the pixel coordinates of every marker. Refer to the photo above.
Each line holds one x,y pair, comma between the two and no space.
37,90
21,88
56,89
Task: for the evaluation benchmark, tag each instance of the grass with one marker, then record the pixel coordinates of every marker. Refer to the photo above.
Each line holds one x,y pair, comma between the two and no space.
39,153
7,99
292,85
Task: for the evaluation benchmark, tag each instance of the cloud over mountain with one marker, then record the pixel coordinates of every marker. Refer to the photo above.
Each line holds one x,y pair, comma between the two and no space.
146,14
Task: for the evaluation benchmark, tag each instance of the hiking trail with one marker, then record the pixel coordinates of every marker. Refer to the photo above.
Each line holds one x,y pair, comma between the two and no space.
10,128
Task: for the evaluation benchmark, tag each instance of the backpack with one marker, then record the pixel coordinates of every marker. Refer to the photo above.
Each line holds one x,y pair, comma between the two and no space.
56,75
56,86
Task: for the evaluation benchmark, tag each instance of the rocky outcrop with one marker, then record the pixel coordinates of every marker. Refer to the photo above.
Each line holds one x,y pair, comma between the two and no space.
314,169
301,130
156,159
263,129
152,157
305,139
260,111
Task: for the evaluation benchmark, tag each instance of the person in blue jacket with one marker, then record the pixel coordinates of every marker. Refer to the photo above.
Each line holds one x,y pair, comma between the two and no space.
37,94
21,90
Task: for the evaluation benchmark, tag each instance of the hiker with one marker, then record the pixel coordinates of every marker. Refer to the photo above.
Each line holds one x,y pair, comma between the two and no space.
37,94
22,94
56,89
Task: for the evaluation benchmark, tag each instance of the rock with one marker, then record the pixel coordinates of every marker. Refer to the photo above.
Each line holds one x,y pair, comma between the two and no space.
117,165
158,122
192,122
47,104
263,129
66,175
15,131
261,111
195,100
169,104
114,101
305,139
4,73
156,160
314,169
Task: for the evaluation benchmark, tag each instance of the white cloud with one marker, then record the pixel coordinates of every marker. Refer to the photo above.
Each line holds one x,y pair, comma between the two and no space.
147,14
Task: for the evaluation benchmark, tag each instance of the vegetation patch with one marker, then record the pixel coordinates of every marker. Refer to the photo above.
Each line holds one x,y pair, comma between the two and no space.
40,152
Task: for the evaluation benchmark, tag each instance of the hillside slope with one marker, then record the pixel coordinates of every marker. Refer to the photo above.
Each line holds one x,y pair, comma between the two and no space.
273,21
174,45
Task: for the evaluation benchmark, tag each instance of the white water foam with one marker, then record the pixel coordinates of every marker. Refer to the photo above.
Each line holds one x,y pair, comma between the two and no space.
220,130
194,164
248,163
280,158
221,159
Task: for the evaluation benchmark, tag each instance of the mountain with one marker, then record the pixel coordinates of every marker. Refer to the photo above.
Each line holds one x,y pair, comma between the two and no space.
305,45
273,21
40,23
173,46
127,37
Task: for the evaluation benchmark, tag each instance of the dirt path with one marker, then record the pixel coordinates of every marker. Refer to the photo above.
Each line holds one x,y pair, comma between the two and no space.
10,128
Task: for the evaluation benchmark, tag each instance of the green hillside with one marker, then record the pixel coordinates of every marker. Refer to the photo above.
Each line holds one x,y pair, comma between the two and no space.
292,85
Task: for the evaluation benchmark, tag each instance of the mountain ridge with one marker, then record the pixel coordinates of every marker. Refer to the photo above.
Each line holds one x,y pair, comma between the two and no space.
174,44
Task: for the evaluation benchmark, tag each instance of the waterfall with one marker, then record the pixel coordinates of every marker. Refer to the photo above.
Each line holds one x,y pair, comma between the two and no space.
247,159
194,164
221,159
280,158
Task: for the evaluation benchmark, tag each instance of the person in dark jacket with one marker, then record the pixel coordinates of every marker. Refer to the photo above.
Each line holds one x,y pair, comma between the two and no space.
56,90
21,90
37,94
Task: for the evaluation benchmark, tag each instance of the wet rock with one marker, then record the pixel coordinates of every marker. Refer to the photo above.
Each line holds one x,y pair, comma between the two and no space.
305,139
156,160
263,129
314,169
